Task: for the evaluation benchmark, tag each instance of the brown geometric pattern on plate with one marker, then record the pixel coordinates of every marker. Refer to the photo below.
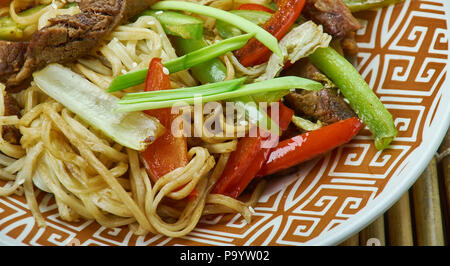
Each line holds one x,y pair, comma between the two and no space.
403,56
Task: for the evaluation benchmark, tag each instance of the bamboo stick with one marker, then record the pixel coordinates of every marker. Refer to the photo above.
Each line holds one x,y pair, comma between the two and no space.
445,181
374,234
427,209
351,241
398,219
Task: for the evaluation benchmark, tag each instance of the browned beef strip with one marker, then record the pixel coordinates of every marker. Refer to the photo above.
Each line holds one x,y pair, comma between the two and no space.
334,15
12,57
69,37
349,45
325,105
11,60
10,133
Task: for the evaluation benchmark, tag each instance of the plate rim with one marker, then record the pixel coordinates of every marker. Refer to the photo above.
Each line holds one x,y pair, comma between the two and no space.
389,196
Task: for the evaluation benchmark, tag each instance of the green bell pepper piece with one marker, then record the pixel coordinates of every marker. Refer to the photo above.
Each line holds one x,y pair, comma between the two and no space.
361,97
178,24
208,72
226,30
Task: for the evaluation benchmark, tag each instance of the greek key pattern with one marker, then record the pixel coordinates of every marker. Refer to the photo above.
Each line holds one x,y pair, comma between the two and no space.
403,56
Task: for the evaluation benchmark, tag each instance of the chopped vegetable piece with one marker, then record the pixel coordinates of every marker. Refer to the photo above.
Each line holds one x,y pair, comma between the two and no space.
183,93
300,42
134,130
360,5
260,34
247,160
10,30
301,148
252,6
204,54
181,63
226,30
270,97
178,24
214,71
208,72
361,98
255,115
166,153
12,33
305,124
142,101
255,52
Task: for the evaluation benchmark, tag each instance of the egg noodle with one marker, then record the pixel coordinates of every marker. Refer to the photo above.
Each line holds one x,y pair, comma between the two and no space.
91,176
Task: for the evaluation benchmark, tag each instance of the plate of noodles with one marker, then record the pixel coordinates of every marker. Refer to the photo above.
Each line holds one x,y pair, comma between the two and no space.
245,122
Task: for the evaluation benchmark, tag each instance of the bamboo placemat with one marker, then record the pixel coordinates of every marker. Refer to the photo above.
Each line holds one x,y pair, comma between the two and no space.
421,217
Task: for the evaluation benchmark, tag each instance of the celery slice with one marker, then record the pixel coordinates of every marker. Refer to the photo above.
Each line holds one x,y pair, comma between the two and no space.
134,130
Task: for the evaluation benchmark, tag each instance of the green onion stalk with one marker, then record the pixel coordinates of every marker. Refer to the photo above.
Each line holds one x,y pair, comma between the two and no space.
232,90
184,62
361,97
247,26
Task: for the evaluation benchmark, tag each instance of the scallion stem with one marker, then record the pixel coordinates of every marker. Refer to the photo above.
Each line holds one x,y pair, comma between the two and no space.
142,100
262,35
184,62
183,93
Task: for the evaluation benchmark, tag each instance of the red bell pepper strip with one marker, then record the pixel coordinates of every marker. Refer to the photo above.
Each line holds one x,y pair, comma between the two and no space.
306,146
167,152
254,52
251,6
248,158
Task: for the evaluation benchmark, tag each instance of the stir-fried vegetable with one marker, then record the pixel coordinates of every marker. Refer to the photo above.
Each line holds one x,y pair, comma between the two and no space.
10,30
360,5
255,52
184,62
252,6
300,42
167,152
305,124
255,115
260,34
178,24
143,100
362,99
134,130
301,148
226,30
182,93
208,72
215,71
248,159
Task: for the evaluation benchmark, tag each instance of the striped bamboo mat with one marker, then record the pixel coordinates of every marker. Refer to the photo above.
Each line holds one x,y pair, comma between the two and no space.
422,215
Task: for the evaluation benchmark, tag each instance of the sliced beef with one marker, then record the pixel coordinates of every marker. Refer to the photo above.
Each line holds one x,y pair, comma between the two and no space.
10,133
349,45
334,15
303,68
69,37
12,57
325,105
